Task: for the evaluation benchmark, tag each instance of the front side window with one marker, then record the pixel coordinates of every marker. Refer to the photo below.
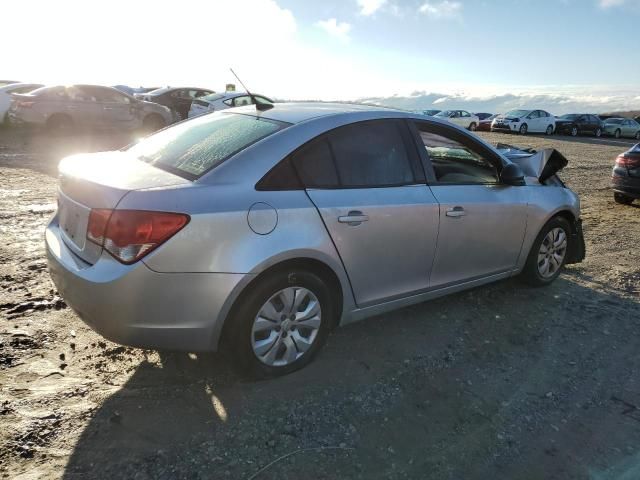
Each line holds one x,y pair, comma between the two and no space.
455,161
192,148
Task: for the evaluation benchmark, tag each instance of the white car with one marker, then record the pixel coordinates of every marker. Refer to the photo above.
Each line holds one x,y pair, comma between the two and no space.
5,95
462,118
221,101
525,121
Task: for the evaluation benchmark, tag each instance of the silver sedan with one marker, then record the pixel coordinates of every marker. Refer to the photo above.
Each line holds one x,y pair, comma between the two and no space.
260,229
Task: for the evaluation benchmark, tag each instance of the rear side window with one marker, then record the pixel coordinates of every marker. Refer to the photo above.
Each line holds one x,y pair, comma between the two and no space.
192,148
371,154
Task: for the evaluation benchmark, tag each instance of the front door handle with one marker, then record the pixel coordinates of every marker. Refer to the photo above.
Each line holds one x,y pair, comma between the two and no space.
456,212
354,218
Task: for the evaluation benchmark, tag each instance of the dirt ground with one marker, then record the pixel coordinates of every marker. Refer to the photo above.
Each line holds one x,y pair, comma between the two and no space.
501,382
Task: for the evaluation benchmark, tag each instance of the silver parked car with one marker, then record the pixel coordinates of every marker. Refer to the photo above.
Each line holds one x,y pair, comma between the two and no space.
87,106
262,228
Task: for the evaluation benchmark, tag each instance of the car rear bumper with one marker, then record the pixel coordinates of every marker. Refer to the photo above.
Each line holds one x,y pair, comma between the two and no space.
134,305
627,185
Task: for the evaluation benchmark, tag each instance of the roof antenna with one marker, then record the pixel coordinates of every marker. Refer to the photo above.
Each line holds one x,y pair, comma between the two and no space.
259,106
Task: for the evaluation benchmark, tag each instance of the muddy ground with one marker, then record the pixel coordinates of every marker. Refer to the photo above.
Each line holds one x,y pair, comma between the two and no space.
503,381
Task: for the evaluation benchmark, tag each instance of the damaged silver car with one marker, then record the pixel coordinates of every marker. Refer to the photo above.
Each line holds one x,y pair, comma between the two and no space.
259,229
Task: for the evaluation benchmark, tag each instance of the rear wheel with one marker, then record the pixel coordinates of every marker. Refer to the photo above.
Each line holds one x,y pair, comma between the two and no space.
281,324
523,129
153,122
622,199
548,253
598,132
473,127
638,135
618,133
549,130
574,131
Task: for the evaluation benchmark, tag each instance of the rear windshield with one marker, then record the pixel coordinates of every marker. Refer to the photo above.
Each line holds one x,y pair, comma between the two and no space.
192,148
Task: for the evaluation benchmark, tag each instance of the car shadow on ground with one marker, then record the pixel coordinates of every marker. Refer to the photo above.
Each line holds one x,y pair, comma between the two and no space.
503,381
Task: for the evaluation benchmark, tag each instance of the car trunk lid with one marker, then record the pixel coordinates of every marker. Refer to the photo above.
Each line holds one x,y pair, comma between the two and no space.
100,180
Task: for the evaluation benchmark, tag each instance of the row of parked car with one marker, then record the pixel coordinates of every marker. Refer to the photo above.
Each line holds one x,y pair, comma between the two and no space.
541,121
62,107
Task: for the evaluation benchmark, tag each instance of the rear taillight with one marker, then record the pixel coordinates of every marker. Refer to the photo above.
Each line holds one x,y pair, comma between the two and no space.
129,235
627,162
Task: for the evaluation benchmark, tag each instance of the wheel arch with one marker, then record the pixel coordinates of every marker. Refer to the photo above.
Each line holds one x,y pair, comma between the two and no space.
336,281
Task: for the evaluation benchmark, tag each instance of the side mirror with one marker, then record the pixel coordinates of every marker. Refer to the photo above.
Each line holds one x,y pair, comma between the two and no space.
512,174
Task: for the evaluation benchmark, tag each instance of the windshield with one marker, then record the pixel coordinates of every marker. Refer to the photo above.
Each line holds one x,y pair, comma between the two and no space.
446,113
571,116
212,97
517,113
615,121
192,148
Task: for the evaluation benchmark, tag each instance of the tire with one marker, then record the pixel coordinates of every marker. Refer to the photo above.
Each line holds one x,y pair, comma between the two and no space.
618,133
473,127
574,131
598,132
153,122
622,199
534,270
59,123
245,331
523,129
549,130
638,135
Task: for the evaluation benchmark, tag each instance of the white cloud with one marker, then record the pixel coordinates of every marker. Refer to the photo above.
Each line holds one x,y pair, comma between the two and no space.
369,7
611,3
441,9
334,28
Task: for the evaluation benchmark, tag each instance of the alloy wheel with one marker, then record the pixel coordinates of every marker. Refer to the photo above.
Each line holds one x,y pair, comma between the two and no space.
574,132
552,252
599,132
286,326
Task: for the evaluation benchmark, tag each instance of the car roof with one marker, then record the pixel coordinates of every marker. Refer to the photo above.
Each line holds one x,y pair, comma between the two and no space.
18,85
298,112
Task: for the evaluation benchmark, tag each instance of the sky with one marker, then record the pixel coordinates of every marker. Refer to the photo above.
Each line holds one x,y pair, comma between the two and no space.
492,53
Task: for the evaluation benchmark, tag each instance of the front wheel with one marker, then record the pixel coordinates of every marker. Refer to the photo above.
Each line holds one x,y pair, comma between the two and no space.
281,324
618,133
473,127
638,135
598,132
622,199
523,129
574,131
548,253
549,130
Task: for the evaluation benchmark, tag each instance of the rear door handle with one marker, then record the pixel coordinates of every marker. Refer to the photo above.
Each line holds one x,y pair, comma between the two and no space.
354,218
108,108
456,212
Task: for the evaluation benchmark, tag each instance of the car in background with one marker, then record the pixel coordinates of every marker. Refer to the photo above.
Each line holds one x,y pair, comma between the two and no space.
575,124
261,230
524,121
462,118
133,90
485,123
622,127
222,101
429,113
178,99
483,116
7,82
637,119
86,106
625,179
5,96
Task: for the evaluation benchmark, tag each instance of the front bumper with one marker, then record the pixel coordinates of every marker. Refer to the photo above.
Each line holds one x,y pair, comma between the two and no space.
563,128
134,305
504,127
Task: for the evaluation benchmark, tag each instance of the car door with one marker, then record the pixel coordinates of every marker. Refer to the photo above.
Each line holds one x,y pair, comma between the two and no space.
82,107
118,110
482,221
628,128
534,121
370,190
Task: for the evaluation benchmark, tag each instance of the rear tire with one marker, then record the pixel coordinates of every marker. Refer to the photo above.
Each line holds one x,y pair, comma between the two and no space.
473,127
549,130
638,135
59,123
523,129
598,132
153,122
243,329
548,253
574,131
622,199
618,133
